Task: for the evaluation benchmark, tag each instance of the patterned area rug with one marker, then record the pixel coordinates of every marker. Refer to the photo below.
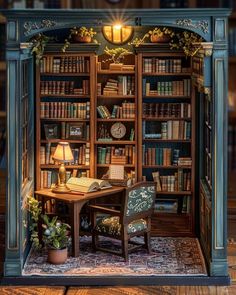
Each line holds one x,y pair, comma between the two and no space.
170,256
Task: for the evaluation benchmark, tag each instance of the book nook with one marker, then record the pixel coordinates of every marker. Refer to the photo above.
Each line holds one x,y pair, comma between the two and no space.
117,147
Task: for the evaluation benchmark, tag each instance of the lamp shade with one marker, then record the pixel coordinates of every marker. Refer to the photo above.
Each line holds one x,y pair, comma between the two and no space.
63,153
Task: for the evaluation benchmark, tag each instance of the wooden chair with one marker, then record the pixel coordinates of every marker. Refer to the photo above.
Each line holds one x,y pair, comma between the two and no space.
133,219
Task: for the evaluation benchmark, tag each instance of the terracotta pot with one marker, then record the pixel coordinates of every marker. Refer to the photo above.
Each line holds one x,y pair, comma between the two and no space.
85,39
57,256
159,39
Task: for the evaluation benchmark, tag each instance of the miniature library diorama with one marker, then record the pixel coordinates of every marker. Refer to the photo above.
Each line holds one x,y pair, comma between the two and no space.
117,144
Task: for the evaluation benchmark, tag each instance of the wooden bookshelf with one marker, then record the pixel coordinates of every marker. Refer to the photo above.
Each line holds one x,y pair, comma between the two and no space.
55,64
124,85
164,108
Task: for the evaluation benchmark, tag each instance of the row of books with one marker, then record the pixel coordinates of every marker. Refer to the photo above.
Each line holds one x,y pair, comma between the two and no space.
63,87
125,111
80,110
123,85
157,65
197,64
167,88
175,110
64,64
232,147
172,205
81,154
167,130
50,177
179,181
232,41
163,157
114,155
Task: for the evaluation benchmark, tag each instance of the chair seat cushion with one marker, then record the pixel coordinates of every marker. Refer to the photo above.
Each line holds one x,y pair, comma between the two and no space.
112,226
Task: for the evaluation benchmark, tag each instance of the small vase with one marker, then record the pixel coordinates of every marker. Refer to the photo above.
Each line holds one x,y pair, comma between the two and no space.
84,39
159,39
57,256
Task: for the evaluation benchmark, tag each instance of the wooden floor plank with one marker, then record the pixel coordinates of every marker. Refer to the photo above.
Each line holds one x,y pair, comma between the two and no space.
119,290
32,290
154,290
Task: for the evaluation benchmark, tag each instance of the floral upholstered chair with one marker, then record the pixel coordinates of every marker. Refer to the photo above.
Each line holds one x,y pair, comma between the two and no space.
134,219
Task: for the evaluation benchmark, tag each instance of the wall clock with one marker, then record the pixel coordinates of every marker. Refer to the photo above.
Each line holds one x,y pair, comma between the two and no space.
118,130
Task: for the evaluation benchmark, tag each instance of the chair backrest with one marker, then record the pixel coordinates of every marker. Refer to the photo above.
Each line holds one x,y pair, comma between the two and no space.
140,198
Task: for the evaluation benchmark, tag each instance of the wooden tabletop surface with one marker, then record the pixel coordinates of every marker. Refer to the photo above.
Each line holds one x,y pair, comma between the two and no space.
77,196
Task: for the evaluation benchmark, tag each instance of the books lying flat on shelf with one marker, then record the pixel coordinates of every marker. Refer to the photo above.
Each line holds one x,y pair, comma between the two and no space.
85,184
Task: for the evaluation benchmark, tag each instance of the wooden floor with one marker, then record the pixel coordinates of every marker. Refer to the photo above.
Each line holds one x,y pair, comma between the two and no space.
140,290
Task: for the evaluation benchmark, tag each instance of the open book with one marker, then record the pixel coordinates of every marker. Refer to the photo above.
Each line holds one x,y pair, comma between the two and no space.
85,184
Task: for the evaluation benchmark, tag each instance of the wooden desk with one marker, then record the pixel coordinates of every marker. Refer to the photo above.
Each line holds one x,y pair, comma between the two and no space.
75,202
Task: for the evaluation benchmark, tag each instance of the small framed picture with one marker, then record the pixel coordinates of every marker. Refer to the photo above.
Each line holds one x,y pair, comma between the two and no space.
51,131
76,130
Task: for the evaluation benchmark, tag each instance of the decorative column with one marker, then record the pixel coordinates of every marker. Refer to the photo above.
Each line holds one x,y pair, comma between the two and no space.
218,265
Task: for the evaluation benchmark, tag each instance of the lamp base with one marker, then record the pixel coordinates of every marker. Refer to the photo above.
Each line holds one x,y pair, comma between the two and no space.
61,188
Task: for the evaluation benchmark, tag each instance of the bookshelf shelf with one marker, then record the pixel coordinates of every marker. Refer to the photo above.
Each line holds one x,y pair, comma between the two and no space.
123,142
65,119
116,96
43,166
107,165
66,74
167,74
167,140
170,214
174,193
166,167
166,119
64,95
111,72
167,96
61,139
115,120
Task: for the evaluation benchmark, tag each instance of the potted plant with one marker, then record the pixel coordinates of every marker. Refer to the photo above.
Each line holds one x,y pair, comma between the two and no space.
157,35
35,209
39,43
161,35
56,238
116,56
81,34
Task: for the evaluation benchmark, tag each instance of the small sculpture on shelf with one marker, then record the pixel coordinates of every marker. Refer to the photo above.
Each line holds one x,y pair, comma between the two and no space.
103,134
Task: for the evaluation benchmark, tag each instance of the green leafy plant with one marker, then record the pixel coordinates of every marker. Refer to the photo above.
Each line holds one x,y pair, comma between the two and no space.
55,234
161,31
116,54
156,32
39,43
35,209
188,42
81,32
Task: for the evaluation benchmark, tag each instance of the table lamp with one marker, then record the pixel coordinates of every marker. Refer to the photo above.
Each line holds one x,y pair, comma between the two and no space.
63,154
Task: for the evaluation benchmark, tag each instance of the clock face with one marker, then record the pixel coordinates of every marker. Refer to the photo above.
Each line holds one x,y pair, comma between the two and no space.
118,130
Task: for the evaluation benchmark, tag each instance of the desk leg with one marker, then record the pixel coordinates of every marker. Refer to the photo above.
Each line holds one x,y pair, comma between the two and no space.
75,209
